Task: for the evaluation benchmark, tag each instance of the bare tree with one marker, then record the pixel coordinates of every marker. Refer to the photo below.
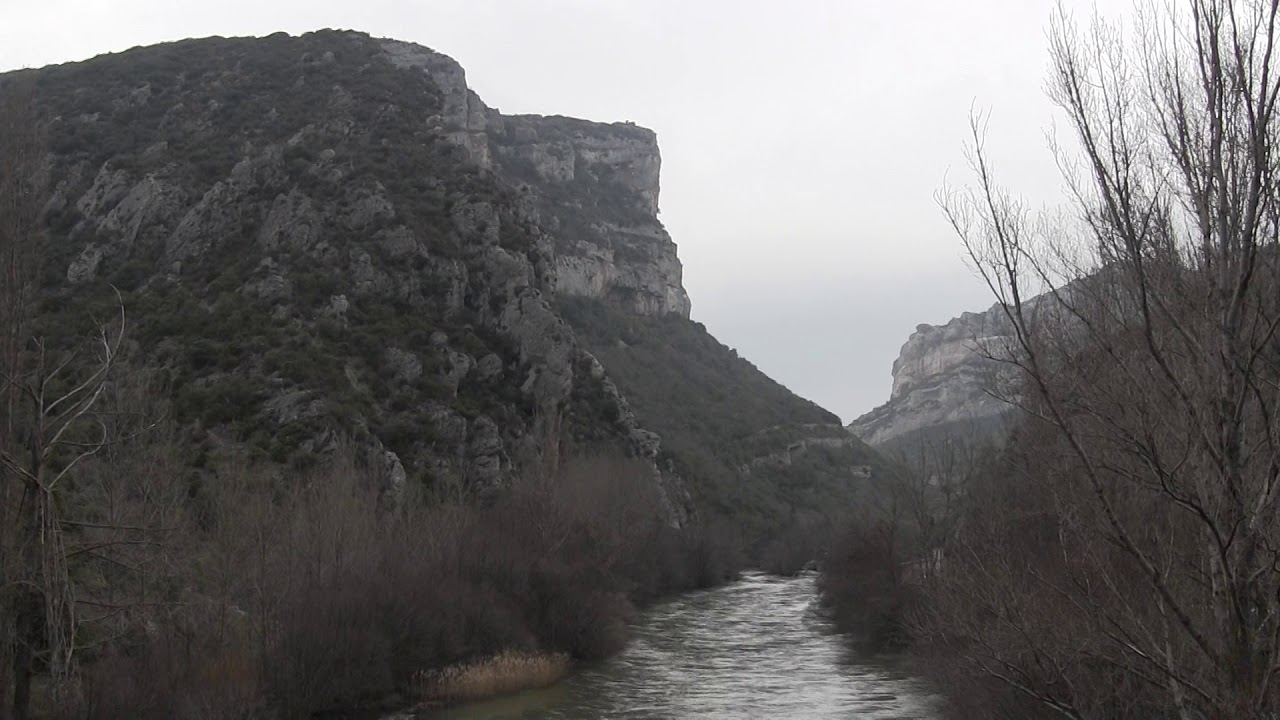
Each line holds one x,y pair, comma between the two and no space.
59,431
48,428
1145,334
19,239
932,491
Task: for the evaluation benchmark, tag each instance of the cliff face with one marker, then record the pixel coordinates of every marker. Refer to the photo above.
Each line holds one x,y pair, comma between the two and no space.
595,187
942,382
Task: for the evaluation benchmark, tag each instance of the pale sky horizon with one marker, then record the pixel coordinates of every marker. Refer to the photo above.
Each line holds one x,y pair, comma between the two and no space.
802,143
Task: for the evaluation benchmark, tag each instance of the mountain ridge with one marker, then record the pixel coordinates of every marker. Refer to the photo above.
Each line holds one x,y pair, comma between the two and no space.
332,235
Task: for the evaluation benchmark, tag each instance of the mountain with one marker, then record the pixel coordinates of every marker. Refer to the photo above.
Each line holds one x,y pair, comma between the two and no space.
332,236
943,383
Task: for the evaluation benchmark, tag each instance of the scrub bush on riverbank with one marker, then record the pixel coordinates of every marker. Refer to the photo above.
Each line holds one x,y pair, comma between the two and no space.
308,600
866,587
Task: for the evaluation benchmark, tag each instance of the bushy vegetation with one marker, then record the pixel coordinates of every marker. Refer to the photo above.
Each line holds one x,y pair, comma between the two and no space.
1120,558
284,597
867,587
717,413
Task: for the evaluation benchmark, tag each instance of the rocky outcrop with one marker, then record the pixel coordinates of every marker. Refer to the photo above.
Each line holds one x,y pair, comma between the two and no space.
595,186
943,381
463,118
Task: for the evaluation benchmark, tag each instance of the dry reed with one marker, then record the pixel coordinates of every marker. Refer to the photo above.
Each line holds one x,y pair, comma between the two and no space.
501,674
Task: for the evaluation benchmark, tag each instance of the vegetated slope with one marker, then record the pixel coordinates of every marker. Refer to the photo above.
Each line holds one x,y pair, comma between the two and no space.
307,253
753,450
343,268
332,235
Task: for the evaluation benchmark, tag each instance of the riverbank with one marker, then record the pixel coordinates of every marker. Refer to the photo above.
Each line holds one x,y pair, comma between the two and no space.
504,674
301,600
756,647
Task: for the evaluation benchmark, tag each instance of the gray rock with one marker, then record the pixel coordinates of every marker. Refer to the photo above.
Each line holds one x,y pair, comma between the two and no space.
486,454
489,367
269,282
457,365
619,251
397,242
109,187
292,224
405,366
212,219
368,280
477,221
337,308
465,119
393,478
619,160
152,203
369,208
942,378
85,267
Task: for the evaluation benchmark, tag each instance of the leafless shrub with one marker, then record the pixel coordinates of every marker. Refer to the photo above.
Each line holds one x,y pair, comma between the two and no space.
303,597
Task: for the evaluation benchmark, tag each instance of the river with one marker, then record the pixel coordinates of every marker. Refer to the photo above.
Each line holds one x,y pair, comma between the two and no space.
756,648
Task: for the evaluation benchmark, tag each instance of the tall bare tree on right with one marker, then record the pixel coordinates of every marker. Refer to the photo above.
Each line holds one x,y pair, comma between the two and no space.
1142,554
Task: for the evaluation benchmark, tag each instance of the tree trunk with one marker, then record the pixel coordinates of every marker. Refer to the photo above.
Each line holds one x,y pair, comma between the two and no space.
22,686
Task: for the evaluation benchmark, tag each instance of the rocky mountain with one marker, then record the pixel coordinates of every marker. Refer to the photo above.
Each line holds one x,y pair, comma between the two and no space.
943,382
595,184
331,236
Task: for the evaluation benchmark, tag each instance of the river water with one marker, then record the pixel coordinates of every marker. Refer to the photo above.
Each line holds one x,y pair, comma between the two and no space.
757,648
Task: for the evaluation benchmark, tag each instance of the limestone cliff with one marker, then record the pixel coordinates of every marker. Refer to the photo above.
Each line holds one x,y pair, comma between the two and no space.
595,186
943,381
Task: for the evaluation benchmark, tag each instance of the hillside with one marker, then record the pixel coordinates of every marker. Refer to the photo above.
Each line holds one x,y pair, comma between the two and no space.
332,236
760,454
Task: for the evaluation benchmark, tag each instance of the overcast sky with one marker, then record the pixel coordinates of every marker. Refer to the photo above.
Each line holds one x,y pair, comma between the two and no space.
802,141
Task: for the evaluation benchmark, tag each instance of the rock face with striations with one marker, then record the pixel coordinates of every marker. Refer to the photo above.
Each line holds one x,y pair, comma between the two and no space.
597,191
594,185
943,382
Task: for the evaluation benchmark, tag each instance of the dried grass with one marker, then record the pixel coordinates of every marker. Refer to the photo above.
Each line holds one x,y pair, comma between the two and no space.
501,674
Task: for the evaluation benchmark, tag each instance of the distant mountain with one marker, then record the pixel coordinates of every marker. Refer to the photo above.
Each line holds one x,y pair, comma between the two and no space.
332,236
944,384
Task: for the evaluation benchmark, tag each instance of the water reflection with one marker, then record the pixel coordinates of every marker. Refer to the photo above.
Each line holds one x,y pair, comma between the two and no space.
753,649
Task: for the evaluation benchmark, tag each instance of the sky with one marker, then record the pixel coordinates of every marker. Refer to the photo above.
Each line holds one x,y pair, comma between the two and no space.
803,142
